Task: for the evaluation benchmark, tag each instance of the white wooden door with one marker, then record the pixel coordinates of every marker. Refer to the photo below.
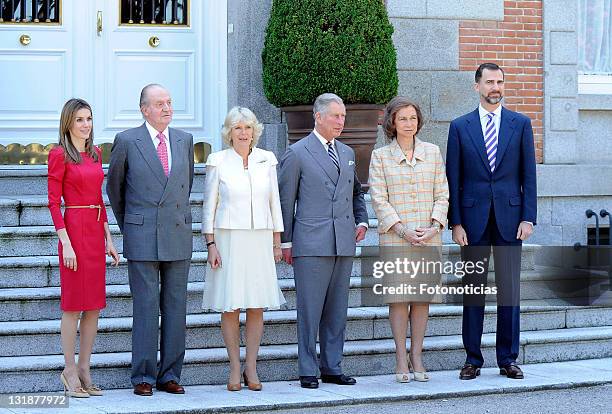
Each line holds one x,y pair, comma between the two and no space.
130,56
91,55
36,75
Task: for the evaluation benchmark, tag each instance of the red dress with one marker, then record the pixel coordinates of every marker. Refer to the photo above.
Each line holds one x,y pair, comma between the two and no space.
80,185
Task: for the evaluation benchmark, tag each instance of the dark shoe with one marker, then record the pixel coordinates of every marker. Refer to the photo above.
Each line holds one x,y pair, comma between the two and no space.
144,389
338,379
309,382
511,371
171,387
469,372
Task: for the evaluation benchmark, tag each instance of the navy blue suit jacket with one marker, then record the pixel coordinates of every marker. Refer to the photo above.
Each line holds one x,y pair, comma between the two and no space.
474,190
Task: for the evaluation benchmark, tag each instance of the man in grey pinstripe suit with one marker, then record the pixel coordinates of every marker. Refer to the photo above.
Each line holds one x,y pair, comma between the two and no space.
324,215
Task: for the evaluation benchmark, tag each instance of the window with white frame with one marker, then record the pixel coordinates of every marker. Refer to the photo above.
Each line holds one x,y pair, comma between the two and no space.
595,47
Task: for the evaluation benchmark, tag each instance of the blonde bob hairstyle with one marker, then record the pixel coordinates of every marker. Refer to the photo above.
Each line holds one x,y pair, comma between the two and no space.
240,114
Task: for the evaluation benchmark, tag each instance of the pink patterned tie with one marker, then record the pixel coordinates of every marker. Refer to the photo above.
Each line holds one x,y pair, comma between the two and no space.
162,152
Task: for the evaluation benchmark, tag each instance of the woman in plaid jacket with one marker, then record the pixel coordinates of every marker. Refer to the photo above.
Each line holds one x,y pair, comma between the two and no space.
410,197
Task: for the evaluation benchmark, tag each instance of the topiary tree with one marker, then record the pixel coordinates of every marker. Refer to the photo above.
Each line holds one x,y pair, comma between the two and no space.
339,46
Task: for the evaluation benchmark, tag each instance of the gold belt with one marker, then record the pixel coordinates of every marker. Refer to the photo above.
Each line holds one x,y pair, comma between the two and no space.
89,206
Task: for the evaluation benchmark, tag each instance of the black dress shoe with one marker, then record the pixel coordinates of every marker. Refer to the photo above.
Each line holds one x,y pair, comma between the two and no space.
469,372
338,379
511,371
309,382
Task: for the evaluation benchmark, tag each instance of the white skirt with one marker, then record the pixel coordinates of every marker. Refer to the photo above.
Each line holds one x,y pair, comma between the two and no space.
247,276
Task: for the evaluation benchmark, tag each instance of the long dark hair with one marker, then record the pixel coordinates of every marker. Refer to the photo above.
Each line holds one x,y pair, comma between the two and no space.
69,110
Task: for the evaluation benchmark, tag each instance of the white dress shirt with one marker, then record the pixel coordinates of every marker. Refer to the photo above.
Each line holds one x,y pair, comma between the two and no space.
324,141
153,132
484,119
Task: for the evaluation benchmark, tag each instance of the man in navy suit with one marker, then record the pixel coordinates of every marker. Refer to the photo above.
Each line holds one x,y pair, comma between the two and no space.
490,164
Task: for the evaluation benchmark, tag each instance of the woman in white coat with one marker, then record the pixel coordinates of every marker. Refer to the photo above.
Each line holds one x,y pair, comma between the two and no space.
242,223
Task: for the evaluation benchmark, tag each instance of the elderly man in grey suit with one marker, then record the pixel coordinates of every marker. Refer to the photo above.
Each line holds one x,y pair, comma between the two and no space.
324,215
149,181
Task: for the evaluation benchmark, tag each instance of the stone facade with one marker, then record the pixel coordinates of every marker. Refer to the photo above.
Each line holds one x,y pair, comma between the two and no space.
439,45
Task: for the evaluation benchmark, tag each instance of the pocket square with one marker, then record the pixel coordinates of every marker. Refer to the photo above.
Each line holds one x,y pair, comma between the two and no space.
351,162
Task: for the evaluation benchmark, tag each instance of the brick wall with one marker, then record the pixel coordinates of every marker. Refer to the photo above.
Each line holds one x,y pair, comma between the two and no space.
516,45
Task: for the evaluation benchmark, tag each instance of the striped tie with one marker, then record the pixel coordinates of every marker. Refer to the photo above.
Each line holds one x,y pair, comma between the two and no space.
333,156
491,141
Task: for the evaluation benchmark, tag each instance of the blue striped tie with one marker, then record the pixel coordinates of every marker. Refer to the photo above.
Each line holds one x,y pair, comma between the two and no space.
491,141
333,156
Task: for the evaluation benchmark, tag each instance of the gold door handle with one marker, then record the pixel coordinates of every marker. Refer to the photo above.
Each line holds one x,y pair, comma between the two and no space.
99,23
25,39
154,41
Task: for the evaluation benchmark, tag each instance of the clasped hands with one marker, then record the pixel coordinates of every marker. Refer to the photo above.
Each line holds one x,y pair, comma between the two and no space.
416,237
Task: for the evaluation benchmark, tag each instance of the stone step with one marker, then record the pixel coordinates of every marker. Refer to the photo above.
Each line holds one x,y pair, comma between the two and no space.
43,303
42,240
32,210
43,270
32,180
548,385
279,362
29,184
204,331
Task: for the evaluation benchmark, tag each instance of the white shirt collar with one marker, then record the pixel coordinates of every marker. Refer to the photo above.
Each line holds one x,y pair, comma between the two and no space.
323,140
153,133
483,112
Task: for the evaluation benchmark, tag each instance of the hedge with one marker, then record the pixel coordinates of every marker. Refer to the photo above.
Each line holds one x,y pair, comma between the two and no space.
339,46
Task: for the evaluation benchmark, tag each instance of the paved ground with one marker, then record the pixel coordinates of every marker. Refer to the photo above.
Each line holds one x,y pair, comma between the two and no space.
580,400
381,394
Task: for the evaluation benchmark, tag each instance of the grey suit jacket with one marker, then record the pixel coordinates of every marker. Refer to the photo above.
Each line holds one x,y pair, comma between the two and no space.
152,210
321,208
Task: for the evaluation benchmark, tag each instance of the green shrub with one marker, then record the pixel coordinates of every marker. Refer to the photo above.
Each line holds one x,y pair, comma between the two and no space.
339,46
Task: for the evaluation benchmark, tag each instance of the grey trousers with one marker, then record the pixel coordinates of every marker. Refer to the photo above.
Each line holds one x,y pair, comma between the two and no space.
322,286
149,301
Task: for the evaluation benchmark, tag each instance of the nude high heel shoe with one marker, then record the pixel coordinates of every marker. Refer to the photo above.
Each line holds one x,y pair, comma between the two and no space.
253,386
78,392
420,376
402,377
234,387
92,389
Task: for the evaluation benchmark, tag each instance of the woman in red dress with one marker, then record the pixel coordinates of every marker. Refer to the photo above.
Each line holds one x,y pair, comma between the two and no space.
75,174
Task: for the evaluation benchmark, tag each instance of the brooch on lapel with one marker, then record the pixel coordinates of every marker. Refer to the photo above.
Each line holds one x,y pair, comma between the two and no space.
351,162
